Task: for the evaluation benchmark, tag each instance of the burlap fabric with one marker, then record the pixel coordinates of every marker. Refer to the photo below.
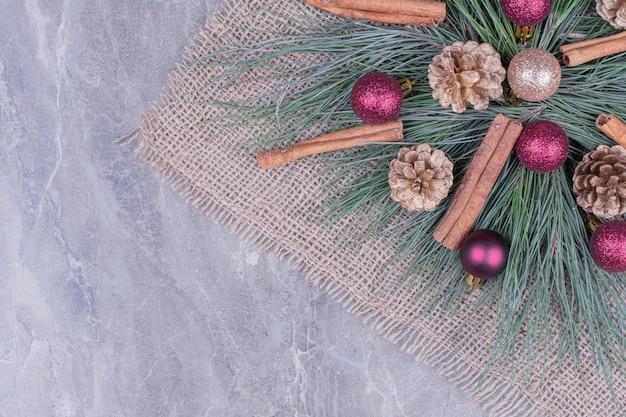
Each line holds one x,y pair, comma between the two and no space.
272,209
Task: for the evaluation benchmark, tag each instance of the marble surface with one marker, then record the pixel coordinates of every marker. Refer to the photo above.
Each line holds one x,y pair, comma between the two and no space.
117,299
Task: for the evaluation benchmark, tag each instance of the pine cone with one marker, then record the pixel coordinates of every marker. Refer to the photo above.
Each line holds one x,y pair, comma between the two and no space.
600,181
613,11
466,74
420,178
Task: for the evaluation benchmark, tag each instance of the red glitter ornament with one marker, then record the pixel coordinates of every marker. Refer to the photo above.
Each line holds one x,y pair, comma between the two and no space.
377,98
526,12
608,246
543,146
484,253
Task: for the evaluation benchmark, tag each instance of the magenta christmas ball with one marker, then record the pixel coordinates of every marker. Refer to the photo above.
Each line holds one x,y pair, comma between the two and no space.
608,246
543,146
484,253
526,12
376,98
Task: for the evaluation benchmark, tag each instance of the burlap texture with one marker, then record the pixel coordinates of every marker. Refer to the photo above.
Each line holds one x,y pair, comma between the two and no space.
272,209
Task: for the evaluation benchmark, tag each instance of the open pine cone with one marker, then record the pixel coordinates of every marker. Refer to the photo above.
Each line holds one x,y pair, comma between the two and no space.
613,11
600,181
466,74
420,177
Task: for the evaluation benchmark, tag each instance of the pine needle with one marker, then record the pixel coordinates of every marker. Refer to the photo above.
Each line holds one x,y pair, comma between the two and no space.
551,289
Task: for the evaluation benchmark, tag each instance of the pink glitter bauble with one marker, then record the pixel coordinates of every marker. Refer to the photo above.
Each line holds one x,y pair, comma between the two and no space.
376,98
608,246
543,146
534,74
526,12
484,253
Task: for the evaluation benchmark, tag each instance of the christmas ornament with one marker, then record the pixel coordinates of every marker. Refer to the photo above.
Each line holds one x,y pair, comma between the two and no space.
466,74
526,12
613,11
543,146
484,253
376,98
600,181
420,177
608,246
534,74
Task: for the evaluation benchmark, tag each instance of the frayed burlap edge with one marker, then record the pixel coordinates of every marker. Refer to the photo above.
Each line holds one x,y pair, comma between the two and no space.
202,161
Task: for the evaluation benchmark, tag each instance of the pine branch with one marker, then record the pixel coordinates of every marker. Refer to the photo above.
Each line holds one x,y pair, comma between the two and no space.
551,284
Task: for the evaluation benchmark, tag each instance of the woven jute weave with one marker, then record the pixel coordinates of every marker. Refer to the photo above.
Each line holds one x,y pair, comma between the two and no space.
202,160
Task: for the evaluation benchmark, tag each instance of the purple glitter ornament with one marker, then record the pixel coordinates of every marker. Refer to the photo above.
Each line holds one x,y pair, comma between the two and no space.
376,98
608,246
526,12
484,253
543,146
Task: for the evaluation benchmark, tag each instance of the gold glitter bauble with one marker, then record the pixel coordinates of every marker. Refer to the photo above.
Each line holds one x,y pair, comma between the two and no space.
534,74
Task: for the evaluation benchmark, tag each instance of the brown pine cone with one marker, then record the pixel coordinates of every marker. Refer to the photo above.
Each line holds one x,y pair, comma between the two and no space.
613,11
420,177
600,181
466,74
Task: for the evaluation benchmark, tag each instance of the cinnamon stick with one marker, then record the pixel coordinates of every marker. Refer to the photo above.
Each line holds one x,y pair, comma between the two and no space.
613,127
483,188
357,131
343,139
478,182
404,12
580,52
466,188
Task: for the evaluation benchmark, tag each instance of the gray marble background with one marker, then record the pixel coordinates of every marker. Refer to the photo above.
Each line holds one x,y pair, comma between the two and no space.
117,299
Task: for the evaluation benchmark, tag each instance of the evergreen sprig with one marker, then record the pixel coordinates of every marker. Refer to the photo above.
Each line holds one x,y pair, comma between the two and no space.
551,287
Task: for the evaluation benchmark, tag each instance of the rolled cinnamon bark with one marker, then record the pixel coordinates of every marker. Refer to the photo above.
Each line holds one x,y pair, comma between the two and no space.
613,127
348,138
478,181
357,131
406,12
485,184
578,53
468,184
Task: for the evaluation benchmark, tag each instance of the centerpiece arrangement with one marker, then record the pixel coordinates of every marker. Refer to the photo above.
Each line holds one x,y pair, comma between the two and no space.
482,138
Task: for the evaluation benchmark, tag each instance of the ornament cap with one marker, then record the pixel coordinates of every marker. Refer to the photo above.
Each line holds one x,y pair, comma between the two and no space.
407,86
474,282
524,33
